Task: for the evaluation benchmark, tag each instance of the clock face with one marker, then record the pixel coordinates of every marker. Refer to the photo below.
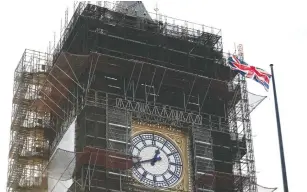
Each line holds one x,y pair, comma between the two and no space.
158,162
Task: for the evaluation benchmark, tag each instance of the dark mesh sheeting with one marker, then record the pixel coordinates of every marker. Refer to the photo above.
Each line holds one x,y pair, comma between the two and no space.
208,181
63,163
105,158
213,180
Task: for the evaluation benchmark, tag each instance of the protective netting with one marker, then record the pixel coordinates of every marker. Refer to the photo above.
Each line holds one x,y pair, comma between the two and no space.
254,100
61,165
265,189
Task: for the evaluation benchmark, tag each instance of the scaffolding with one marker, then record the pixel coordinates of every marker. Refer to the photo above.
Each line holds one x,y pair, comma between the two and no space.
29,147
124,75
106,119
113,67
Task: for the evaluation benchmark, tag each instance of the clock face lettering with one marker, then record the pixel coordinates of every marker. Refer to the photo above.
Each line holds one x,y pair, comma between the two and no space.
158,162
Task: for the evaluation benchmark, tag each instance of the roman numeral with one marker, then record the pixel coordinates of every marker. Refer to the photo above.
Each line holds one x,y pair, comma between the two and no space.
143,141
137,148
164,178
170,154
172,173
163,145
137,165
175,164
153,140
144,175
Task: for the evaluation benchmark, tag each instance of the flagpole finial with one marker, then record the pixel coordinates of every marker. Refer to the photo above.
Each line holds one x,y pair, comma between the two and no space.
271,65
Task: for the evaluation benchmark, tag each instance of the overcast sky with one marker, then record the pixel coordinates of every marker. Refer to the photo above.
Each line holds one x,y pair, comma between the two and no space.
272,31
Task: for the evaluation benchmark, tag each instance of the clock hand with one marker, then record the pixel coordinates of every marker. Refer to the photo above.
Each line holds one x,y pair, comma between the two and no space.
157,152
148,160
154,160
144,161
156,157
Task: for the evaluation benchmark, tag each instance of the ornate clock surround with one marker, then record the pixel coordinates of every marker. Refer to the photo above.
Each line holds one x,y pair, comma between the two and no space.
178,138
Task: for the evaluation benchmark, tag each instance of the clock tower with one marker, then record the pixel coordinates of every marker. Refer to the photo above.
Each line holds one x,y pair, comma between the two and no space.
153,103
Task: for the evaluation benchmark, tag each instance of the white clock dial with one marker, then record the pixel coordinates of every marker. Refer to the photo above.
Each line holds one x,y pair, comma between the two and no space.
159,162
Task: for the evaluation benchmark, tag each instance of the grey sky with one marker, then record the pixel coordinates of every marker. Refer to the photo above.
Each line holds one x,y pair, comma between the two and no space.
271,31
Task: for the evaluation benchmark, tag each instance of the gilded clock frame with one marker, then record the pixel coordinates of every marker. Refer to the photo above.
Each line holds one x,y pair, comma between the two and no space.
179,139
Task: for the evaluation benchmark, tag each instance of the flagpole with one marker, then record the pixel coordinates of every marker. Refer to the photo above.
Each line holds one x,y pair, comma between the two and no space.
281,148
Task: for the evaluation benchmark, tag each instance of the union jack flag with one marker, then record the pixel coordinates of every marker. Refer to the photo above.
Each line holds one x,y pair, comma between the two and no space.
259,75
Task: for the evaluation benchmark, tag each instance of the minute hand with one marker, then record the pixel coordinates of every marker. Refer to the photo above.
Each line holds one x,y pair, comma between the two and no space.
144,161
149,160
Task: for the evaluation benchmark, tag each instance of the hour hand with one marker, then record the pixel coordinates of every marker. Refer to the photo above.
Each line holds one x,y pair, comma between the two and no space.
157,151
156,157
154,160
